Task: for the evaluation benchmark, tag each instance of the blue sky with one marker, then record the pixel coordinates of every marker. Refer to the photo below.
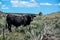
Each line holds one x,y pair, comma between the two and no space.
30,6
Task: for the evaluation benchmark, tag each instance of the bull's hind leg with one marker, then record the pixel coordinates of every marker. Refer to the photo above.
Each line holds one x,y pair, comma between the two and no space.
9,28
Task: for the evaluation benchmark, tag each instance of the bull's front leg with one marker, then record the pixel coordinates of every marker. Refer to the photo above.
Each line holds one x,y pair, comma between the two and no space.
9,28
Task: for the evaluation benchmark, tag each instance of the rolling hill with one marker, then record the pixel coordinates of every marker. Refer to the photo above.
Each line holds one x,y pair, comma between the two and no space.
41,28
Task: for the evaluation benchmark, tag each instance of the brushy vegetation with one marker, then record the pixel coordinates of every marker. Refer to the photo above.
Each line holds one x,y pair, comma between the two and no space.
39,26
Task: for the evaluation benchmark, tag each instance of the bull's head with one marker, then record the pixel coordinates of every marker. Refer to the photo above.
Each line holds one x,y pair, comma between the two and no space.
32,16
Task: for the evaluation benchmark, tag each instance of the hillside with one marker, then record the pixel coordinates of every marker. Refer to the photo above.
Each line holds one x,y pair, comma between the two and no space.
45,27
53,15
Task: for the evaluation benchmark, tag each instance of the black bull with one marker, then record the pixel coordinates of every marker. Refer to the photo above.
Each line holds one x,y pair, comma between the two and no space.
18,20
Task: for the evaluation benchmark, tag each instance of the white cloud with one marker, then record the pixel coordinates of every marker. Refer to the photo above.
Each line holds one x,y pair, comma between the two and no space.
4,7
17,3
0,3
58,4
45,4
32,0
50,4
